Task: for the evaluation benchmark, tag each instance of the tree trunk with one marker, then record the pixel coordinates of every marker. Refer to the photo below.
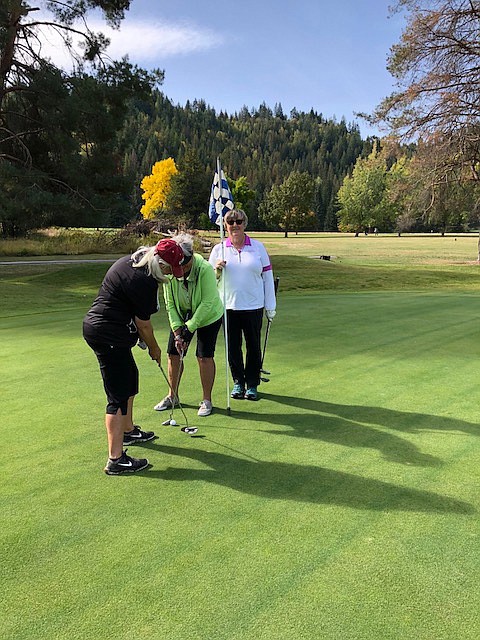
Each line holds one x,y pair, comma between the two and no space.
6,58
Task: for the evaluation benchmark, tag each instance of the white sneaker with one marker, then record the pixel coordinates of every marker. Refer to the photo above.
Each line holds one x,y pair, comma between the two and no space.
205,408
166,403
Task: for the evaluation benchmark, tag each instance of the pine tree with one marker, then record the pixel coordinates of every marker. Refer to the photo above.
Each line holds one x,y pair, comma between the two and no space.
189,195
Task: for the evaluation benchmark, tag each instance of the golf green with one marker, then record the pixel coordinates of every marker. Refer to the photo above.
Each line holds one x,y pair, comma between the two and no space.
342,505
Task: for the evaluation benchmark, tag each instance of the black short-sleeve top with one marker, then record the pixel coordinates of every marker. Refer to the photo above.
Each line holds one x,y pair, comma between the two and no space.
126,292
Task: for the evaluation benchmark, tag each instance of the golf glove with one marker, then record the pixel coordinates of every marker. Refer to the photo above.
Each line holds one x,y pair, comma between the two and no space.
270,313
185,334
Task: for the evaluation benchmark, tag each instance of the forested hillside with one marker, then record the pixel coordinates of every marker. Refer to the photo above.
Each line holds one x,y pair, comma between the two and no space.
263,144
77,142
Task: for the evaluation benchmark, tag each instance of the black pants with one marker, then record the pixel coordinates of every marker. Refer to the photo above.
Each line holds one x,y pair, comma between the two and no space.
249,325
119,373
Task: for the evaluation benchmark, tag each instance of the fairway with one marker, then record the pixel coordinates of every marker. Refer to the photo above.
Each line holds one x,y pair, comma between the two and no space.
344,505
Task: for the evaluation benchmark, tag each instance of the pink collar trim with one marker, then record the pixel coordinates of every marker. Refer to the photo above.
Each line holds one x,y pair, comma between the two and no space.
248,242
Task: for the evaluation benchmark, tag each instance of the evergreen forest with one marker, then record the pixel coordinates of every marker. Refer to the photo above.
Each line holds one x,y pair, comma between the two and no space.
264,145
77,145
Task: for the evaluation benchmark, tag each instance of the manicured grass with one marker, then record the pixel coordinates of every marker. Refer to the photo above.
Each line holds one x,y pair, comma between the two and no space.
343,505
382,249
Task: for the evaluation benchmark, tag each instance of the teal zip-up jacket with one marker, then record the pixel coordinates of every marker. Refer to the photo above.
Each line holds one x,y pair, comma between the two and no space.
201,297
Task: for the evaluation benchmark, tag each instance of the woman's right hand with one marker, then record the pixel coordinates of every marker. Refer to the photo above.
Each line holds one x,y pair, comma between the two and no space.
220,265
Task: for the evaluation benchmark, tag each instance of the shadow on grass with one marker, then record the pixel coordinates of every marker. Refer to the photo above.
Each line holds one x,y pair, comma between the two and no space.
284,481
385,418
325,422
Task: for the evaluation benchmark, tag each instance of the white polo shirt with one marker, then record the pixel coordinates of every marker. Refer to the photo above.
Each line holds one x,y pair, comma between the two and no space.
248,275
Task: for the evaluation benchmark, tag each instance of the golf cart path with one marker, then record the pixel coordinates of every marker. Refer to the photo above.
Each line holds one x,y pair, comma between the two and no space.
73,261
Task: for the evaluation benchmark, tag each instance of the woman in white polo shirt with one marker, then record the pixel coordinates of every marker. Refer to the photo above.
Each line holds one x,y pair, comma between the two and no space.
249,291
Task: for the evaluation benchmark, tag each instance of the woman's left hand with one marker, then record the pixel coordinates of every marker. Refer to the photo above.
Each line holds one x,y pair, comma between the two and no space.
156,354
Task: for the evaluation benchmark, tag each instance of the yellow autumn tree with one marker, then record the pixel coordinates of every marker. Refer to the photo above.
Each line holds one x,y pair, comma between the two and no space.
156,187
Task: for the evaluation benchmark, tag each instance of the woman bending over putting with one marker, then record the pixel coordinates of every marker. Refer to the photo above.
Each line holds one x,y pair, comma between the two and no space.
117,319
193,306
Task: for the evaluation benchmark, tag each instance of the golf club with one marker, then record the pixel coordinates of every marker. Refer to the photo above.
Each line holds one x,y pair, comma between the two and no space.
165,422
171,421
175,391
189,430
262,370
269,322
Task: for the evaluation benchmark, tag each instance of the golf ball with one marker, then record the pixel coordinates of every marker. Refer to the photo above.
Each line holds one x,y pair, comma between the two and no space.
173,423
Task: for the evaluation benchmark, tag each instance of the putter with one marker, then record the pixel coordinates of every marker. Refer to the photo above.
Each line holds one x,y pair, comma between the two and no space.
175,391
166,422
269,322
189,430
171,420
262,370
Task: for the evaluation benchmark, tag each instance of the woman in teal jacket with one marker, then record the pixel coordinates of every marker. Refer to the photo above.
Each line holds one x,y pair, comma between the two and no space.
193,306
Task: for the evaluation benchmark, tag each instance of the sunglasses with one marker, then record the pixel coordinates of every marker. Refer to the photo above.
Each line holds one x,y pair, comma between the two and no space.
236,221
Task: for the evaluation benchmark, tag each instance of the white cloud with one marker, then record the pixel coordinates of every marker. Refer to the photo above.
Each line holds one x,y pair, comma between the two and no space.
154,41
146,43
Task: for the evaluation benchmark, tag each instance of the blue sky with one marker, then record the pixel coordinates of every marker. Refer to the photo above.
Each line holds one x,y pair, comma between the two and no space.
325,55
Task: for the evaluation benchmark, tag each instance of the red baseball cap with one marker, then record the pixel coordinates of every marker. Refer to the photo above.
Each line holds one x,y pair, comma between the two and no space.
172,254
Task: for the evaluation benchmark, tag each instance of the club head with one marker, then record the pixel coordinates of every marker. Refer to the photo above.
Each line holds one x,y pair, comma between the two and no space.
189,430
267,373
166,422
265,379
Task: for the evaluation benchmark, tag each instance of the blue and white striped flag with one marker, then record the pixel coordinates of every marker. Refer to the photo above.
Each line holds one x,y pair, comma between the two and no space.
221,200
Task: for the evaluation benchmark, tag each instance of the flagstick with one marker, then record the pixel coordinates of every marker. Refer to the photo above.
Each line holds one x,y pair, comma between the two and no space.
224,293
